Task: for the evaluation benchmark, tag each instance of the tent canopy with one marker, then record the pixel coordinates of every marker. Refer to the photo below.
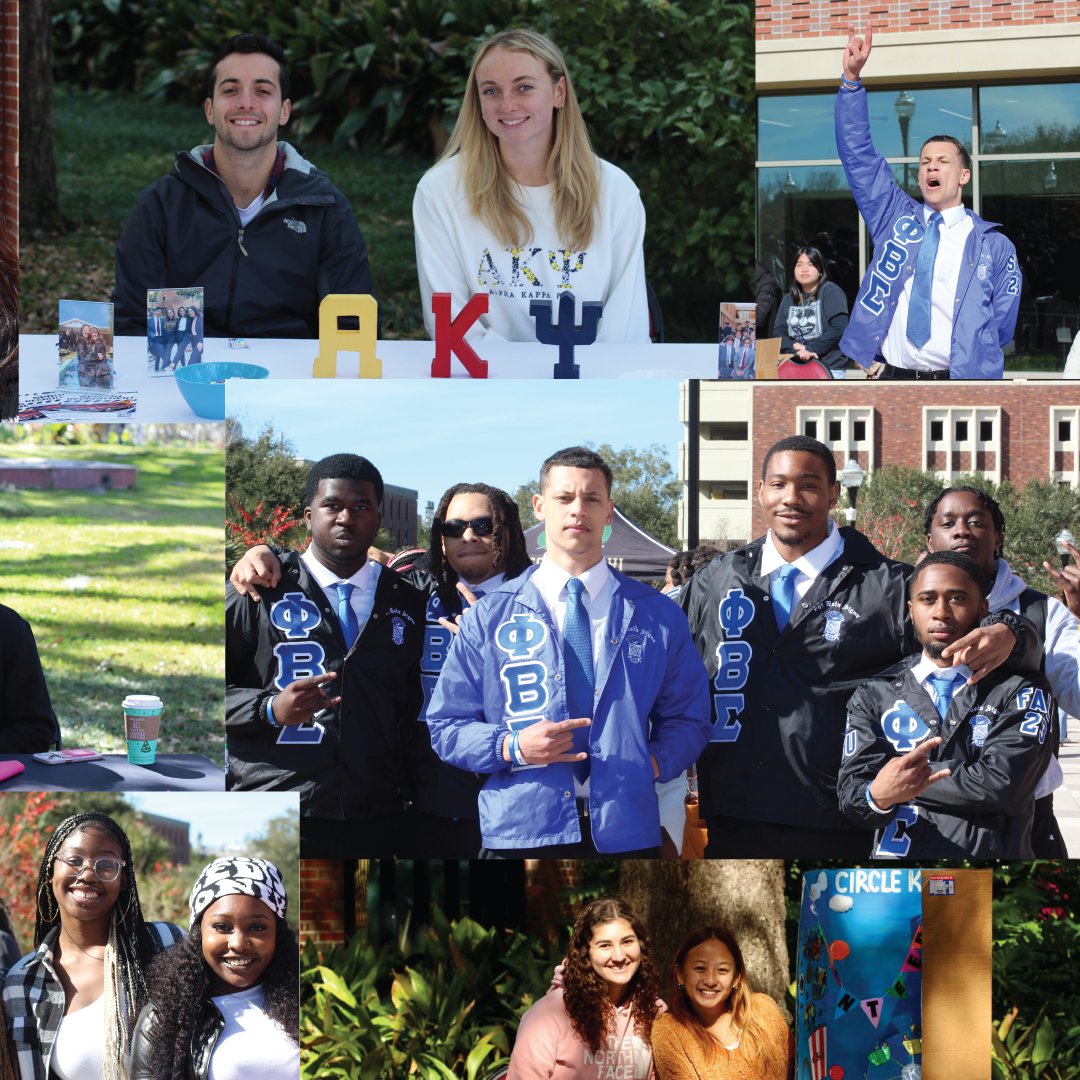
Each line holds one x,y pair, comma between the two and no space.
629,549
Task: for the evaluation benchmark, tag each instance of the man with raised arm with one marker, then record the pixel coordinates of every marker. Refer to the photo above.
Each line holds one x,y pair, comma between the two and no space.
940,298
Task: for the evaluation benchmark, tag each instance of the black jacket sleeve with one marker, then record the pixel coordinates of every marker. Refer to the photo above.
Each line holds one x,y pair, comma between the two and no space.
27,720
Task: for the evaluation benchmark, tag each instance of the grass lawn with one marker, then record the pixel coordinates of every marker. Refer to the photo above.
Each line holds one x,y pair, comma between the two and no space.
124,592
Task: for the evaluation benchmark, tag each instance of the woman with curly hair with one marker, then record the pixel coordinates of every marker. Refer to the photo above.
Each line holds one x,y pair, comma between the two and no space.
72,1003
717,1028
520,208
599,1021
225,1002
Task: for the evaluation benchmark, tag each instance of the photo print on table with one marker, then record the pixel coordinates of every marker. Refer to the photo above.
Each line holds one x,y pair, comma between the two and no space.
174,329
738,340
86,345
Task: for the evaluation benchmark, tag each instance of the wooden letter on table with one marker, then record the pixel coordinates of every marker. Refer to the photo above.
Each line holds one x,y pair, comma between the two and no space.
956,974
450,335
566,334
332,338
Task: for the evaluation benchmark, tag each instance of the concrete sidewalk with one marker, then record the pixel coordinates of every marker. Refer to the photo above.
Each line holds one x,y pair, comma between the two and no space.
1067,797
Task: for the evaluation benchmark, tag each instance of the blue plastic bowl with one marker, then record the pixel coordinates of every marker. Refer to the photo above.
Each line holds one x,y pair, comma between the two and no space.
203,385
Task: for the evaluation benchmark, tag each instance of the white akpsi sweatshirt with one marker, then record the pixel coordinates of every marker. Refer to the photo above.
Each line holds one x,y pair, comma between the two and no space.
456,253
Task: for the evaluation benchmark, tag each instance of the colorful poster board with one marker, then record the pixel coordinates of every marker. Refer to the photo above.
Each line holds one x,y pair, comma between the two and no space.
859,975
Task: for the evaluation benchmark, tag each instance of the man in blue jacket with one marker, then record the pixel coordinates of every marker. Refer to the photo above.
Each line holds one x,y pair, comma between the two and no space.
573,688
941,297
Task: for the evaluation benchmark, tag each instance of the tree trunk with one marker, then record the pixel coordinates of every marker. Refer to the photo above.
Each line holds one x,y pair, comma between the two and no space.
39,205
746,896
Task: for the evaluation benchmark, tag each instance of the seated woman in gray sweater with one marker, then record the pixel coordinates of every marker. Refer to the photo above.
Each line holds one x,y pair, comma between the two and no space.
813,314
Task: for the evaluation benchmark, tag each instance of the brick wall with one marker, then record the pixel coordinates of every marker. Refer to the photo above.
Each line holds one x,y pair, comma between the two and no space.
9,118
829,18
1024,434
545,882
322,901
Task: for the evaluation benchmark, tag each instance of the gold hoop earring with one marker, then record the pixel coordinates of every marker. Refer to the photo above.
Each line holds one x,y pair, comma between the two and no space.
44,917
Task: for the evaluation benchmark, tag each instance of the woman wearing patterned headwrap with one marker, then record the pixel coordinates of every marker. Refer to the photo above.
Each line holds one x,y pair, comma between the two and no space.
229,993
71,1003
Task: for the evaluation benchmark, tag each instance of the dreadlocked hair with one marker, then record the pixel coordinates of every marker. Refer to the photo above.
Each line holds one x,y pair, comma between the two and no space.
180,993
129,949
585,994
508,540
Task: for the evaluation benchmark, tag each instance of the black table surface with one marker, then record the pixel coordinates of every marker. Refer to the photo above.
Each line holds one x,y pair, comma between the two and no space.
113,772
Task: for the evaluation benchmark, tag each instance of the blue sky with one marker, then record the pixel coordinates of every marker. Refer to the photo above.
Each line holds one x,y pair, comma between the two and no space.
223,819
429,434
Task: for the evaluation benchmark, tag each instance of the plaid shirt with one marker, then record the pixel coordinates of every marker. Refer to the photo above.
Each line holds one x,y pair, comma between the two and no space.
34,1000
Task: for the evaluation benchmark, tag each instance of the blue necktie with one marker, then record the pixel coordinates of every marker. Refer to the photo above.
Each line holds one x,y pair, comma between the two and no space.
580,679
944,686
918,319
346,616
782,592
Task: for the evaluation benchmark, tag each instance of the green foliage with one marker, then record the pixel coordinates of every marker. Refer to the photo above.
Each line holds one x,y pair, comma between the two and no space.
661,99
892,506
264,469
280,844
644,488
445,1006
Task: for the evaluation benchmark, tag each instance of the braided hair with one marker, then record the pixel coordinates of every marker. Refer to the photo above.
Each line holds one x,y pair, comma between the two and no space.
180,991
130,947
508,540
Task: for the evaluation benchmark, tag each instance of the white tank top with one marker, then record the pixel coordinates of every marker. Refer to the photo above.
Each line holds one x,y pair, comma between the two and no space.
78,1052
251,1043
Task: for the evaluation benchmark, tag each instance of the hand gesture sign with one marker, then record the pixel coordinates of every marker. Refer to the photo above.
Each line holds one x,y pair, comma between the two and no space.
470,600
545,742
302,699
1068,580
903,778
857,52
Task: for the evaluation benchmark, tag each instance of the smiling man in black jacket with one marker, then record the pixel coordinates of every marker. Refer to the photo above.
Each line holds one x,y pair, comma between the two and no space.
261,229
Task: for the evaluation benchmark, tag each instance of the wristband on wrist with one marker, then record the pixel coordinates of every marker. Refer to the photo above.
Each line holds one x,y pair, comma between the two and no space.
270,713
873,805
515,749
848,84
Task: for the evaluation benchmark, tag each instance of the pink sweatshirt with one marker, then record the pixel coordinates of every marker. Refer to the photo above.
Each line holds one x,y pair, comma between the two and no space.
547,1048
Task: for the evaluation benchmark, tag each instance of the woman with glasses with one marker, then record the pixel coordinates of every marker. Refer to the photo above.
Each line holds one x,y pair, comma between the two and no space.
72,1003
225,1002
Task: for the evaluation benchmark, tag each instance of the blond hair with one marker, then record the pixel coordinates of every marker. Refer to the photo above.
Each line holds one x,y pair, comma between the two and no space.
572,167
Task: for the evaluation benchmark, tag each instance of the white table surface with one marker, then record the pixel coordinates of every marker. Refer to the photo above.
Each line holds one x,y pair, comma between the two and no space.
159,400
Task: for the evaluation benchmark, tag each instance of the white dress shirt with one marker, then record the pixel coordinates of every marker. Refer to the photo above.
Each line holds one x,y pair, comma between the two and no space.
363,581
810,565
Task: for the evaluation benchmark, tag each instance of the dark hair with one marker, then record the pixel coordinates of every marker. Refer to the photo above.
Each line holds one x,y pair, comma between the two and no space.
134,946
961,149
988,501
342,467
180,985
685,564
745,1018
508,538
585,993
818,260
802,444
576,457
249,44
952,558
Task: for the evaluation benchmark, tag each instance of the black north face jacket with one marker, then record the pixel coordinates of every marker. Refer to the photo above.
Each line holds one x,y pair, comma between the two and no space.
779,699
264,280
997,740
357,761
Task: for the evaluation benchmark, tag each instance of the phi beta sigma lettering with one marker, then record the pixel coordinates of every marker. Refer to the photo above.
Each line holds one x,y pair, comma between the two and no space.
890,262
296,615
530,273
736,613
524,679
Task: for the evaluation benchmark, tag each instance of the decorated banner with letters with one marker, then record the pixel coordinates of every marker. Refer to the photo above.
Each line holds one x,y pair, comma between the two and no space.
859,988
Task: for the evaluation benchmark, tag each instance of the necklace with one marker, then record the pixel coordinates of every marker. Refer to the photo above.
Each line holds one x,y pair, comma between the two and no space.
85,952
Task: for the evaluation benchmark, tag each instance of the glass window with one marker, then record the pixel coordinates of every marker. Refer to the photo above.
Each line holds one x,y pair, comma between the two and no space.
836,431
1064,431
810,429
961,431
986,431
858,430
1029,119
933,112
796,128
937,430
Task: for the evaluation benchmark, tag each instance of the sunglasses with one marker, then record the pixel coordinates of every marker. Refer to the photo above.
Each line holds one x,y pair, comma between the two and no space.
455,527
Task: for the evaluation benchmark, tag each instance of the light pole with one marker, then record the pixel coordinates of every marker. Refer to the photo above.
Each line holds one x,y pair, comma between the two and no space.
851,478
1061,542
905,110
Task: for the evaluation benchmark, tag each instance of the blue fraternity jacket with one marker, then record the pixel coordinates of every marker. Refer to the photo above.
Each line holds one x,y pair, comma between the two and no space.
506,670
987,293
